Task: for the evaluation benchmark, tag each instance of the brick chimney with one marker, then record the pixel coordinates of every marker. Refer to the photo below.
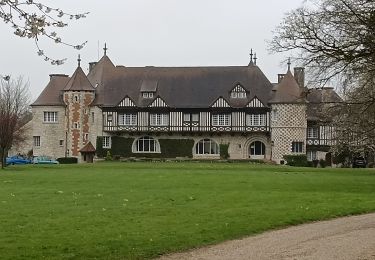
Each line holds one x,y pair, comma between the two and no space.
92,65
299,76
280,77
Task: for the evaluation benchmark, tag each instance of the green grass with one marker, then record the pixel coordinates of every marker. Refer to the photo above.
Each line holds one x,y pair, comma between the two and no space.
141,210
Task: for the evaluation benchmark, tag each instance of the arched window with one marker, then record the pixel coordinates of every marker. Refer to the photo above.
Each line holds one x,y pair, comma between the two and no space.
207,146
257,148
146,144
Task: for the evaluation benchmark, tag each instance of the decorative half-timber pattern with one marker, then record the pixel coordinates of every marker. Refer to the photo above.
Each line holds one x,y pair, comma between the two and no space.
158,102
255,102
126,102
221,102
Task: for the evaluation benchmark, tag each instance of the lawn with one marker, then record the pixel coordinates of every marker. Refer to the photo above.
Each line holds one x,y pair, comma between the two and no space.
142,210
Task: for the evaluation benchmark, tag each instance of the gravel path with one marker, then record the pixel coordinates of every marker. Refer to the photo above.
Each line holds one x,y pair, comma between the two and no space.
348,238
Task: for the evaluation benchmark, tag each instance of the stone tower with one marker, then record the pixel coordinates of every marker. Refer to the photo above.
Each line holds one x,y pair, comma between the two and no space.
78,95
288,118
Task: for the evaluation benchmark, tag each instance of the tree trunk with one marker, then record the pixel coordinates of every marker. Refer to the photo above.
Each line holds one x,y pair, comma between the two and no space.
2,155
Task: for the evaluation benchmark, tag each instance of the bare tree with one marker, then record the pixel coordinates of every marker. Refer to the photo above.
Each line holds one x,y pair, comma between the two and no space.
34,20
335,40
14,104
330,37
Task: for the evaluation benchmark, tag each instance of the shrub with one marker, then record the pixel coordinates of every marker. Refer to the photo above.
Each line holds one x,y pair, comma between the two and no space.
315,163
108,156
296,160
67,160
224,151
322,163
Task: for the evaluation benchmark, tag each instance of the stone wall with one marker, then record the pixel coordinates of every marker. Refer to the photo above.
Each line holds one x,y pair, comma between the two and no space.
51,134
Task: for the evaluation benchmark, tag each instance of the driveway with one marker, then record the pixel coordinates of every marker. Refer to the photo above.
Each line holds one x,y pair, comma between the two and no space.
348,238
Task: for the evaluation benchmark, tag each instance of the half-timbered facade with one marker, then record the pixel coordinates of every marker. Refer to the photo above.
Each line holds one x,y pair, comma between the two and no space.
207,109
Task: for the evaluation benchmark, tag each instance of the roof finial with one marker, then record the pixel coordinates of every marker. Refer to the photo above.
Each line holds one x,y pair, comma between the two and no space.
105,49
255,58
251,57
79,60
289,63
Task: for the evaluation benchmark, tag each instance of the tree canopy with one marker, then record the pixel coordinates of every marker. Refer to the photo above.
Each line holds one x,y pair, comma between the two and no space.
35,20
331,38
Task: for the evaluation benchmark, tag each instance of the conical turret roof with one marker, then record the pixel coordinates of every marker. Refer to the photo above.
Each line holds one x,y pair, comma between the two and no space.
287,91
79,82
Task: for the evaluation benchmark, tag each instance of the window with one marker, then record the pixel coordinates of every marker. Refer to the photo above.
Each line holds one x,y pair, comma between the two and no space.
109,118
127,119
85,137
50,117
146,144
61,142
195,117
76,98
297,147
238,92
147,94
191,117
221,120
106,142
75,125
159,119
257,148
256,120
312,155
312,132
92,117
36,140
207,146
186,117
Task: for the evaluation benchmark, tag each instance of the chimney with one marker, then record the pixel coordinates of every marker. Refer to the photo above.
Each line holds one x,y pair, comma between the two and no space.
280,77
299,76
92,65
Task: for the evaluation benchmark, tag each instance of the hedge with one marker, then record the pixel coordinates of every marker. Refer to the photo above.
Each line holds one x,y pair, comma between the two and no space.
224,151
67,160
296,160
170,148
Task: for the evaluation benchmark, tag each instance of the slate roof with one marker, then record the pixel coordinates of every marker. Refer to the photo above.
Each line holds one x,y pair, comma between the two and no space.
287,91
88,148
79,82
52,94
320,102
179,87
183,87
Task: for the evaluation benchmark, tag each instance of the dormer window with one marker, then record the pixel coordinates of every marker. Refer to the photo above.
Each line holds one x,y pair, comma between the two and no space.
238,92
149,88
148,94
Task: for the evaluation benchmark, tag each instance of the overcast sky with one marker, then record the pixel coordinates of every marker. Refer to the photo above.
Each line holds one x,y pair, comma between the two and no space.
153,33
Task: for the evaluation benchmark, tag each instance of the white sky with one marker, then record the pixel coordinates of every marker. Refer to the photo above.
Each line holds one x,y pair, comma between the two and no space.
153,33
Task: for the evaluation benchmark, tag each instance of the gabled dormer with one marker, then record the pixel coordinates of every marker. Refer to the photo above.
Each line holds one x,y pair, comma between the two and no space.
126,102
158,102
238,92
220,102
149,88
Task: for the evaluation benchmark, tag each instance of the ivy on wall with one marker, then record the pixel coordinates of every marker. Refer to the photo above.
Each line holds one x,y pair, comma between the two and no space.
170,148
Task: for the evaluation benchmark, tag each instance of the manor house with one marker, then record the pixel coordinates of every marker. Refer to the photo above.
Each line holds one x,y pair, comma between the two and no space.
197,112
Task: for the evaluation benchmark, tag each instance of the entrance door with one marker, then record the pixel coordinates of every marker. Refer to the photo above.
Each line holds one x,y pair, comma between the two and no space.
257,150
